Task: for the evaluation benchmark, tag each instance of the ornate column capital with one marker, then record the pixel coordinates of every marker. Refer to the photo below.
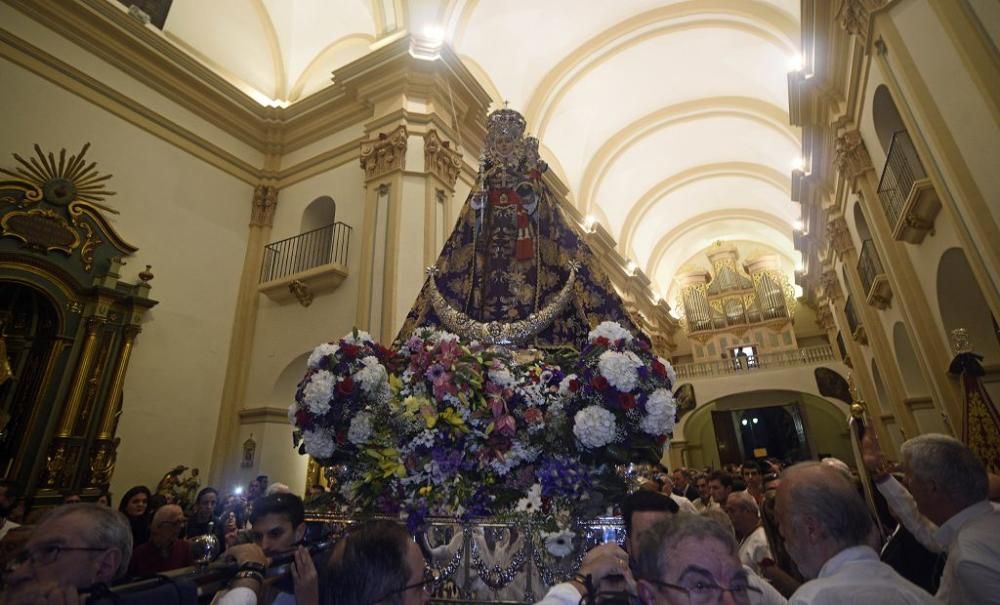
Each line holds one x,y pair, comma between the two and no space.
838,235
831,286
852,159
824,318
441,160
855,17
265,200
384,154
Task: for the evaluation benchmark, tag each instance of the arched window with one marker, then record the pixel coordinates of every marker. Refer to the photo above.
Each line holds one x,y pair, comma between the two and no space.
962,305
321,212
886,117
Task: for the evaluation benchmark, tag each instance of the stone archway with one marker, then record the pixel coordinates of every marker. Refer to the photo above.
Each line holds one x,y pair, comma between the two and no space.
824,423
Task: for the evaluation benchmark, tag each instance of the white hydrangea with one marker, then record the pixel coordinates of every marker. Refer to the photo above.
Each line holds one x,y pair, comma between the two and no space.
360,430
532,501
620,369
319,443
660,411
317,394
327,348
594,426
372,377
361,339
559,543
611,330
671,372
502,377
564,384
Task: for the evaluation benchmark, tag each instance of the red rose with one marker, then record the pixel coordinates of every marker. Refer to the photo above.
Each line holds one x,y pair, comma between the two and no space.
659,369
603,341
349,351
661,439
599,382
533,415
346,386
341,437
574,385
627,401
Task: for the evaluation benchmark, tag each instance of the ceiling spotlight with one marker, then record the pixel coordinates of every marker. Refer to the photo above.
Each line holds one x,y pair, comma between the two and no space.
744,422
798,163
631,267
589,221
798,225
756,420
796,62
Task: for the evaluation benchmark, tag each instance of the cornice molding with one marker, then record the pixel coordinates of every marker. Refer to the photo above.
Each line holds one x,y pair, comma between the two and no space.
263,414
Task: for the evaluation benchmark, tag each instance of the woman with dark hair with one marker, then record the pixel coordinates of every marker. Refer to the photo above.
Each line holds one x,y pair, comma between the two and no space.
203,519
134,506
105,499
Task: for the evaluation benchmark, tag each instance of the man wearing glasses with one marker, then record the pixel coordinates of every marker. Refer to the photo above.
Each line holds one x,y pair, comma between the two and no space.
165,550
691,560
72,548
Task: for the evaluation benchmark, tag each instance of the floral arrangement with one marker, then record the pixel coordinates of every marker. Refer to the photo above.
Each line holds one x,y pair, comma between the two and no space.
442,427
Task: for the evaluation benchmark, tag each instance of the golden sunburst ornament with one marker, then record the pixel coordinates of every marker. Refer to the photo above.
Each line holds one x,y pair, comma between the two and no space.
66,180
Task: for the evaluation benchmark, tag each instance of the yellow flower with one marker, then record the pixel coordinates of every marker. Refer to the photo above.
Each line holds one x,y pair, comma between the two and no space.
395,383
425,490
454,419
388,461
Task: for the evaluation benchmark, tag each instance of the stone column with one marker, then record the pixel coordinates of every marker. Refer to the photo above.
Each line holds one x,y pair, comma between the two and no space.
226,452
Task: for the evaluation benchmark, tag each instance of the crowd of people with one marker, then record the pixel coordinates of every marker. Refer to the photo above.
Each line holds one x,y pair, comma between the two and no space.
756,533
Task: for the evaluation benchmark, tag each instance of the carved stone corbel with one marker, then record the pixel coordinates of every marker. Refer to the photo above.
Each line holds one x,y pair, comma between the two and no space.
831,286
852,159
839,236
384,154
265,200
441,160
855,17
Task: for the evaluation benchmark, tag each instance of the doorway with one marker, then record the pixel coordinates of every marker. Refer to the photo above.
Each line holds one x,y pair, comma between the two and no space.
775,431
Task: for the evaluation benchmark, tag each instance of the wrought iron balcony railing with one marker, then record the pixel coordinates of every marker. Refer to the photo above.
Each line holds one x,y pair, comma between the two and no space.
906,193
306,251
873,278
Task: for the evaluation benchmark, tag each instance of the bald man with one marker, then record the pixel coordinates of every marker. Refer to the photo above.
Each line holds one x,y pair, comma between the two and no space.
826,525
165,550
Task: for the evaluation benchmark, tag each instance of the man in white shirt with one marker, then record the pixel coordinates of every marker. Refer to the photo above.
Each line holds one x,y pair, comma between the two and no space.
745,515
683,503
704,500
947,510
826,526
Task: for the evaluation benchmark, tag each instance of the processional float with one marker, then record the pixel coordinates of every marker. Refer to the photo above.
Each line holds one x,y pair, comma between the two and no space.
499,421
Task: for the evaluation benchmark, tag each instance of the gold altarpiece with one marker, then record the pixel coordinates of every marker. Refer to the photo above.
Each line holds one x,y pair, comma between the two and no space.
68,325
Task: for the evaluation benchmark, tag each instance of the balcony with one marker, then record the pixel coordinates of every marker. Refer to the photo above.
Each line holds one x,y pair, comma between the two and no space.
310,263
854,322
877,291
754,363
906,194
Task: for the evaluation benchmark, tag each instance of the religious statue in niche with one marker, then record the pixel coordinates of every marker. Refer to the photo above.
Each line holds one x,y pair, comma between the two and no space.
249,448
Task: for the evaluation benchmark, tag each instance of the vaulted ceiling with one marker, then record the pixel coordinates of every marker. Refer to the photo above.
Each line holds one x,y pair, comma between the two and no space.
667,119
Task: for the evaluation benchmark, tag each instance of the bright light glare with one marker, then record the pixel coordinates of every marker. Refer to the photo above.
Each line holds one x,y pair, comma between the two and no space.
434,33
589,221
238,491
631,267
744,422
798,291
798,225
756,420
798,164
796,62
